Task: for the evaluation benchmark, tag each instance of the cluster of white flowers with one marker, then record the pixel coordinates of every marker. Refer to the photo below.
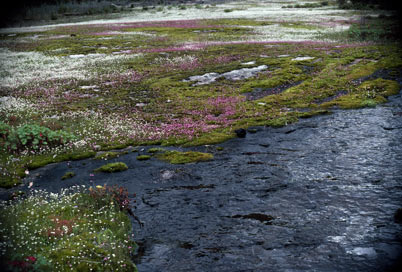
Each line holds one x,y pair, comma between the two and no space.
9,104
176,60
38,225
24,67
280,32
96,127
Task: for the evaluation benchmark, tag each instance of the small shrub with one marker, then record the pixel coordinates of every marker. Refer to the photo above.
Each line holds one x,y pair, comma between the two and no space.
31,137
118,194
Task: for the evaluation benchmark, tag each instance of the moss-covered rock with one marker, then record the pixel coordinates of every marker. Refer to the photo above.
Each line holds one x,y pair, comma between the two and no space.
177,157
68,175
156,150
107,155
143,157
42,160
112,167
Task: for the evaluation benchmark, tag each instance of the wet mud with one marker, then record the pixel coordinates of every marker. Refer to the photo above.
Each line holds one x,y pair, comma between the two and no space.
318,195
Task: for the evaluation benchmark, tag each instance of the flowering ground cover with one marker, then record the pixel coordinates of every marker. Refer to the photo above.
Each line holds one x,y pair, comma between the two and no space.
70,91
77,229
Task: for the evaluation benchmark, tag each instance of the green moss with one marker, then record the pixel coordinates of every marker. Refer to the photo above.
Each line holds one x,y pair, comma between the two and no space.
177,157
214,137
156,150
68,175
362,70
9,182
107,155
368,94
313,113
350,101
43,160
112,167
288,73
380,86
282,121
143,157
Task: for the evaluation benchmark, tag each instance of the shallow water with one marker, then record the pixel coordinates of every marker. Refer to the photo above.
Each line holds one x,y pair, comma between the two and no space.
319,195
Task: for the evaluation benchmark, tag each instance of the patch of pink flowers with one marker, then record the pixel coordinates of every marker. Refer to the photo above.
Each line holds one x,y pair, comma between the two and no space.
223,59
185,66
218,112
118,79
179,48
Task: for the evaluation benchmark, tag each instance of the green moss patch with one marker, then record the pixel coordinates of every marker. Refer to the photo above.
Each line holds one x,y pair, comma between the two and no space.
9,181
156,150
68,175
107,155
38,161
177,157
143,157
112,167
368,94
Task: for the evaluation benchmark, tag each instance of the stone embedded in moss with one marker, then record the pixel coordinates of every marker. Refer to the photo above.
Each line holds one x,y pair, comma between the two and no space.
177,157
143,157
68,175
112,167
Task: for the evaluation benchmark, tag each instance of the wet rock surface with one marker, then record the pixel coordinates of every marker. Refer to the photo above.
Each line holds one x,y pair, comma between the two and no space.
318,195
